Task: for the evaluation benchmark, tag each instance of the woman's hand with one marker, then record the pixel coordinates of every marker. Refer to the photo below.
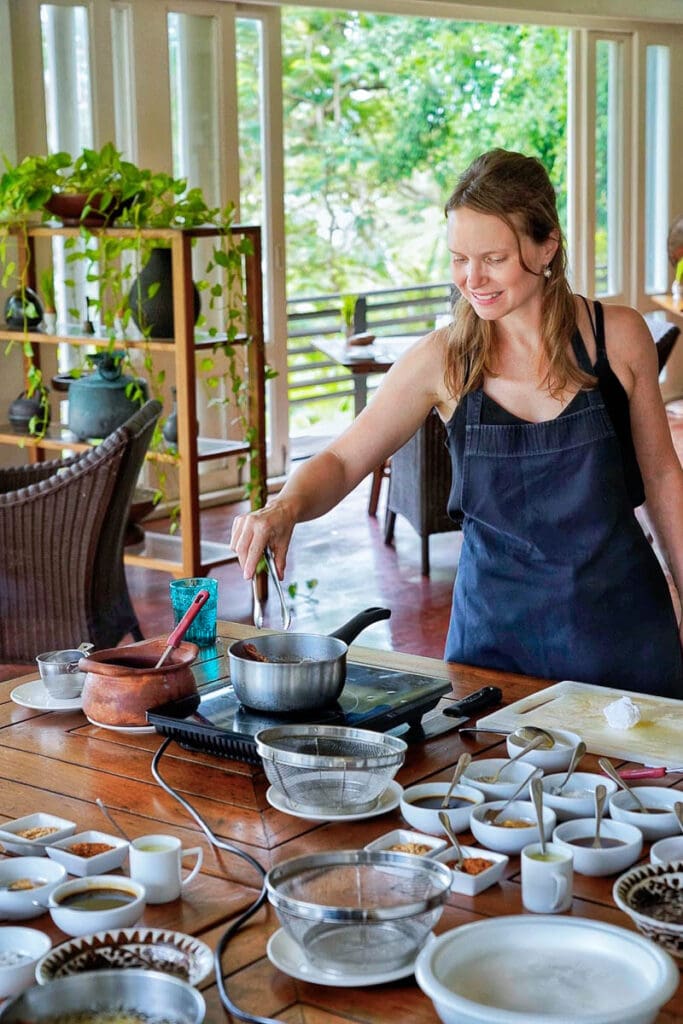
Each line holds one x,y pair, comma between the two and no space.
252,532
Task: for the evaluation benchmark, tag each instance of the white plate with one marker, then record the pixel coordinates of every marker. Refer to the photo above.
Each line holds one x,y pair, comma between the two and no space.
284,953
153,949
129,730
34,695
390,798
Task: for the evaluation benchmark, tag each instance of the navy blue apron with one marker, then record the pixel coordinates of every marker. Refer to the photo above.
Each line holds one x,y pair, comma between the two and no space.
556,578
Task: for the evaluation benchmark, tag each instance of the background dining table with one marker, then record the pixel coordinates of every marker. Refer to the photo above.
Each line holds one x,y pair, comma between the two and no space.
57,762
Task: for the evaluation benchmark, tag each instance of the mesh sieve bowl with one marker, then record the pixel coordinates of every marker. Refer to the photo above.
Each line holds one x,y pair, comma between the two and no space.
362,910
328,769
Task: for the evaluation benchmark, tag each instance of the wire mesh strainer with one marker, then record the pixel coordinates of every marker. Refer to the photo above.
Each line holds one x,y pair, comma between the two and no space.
364,910
328,769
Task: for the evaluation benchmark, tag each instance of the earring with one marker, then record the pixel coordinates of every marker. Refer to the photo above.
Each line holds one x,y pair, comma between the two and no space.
547,272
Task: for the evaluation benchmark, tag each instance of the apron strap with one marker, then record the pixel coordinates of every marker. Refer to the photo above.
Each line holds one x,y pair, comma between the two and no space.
598,328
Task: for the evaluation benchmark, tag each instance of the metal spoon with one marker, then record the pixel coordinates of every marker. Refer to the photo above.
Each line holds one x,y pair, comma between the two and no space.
445,822
600,797
536,742
536,787
109,818
577,754
463,762
609,769
493,814
524,733
678,811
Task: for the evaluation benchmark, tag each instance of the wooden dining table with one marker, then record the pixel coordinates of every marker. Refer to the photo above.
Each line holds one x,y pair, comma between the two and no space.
59,763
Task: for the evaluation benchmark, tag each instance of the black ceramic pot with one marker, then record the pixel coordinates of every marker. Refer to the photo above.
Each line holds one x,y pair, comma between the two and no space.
153,314
23,310
23,409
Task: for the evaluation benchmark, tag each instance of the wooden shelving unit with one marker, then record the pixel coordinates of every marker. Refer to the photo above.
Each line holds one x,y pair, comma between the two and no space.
184,554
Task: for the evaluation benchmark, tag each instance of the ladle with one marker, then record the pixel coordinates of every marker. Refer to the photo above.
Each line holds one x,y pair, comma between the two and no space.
536,788
446,823
609,769
536,742
524,733
600,797
493,813
109,818
577,754
463,762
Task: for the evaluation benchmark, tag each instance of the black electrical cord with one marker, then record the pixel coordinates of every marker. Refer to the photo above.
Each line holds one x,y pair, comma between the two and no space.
244,916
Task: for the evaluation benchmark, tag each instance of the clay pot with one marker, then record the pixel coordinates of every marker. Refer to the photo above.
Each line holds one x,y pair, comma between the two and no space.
122,682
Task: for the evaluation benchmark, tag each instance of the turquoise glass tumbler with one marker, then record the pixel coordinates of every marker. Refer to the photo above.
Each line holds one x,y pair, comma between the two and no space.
203,630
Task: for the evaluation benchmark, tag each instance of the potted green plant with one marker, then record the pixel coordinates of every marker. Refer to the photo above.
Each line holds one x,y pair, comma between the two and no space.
47,292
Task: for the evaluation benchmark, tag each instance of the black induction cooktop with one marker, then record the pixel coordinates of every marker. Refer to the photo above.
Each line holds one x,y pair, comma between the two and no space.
373,698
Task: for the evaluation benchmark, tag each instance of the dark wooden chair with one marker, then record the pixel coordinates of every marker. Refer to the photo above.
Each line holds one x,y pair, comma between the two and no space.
62,526
664,334
419,485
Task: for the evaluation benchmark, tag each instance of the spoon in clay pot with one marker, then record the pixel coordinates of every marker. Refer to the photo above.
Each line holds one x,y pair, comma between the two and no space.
464,761
446,823
609,769
196,605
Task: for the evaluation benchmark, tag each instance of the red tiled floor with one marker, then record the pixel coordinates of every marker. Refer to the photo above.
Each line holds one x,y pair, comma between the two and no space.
345,552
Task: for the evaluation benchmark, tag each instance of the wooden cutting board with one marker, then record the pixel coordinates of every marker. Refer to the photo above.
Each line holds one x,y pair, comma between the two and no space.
656,740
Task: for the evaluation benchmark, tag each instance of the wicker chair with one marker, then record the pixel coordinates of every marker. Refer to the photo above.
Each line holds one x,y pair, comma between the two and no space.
62,525
419,485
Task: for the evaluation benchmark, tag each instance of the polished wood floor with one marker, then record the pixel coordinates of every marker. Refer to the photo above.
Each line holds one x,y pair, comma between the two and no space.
345,552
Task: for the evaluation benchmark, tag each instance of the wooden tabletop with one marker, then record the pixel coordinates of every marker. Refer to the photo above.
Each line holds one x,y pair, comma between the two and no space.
60,764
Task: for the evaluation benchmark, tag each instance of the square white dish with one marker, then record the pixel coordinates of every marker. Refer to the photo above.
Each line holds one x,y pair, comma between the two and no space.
472,885
14,843
404,836
99,863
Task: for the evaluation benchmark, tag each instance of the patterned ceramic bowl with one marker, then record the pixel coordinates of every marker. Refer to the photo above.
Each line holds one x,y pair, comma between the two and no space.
652,896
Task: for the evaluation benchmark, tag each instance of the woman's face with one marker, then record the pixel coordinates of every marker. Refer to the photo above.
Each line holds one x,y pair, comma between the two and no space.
485,263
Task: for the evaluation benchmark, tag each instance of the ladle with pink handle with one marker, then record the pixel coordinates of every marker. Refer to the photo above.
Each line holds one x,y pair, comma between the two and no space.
196,605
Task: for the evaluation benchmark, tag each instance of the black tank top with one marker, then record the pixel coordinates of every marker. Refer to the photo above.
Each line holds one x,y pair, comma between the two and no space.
613,395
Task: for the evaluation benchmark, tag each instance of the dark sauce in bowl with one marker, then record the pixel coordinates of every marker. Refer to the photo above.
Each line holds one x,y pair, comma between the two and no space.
435,803
606,842
97,899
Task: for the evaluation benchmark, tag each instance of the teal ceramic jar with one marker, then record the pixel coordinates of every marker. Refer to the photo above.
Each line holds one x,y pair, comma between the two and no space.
101,401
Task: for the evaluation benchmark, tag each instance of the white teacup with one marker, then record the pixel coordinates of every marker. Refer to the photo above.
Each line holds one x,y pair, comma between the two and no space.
547,878
156,861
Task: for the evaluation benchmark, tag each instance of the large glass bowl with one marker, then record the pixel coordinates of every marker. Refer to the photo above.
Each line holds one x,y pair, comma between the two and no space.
328,769
363,911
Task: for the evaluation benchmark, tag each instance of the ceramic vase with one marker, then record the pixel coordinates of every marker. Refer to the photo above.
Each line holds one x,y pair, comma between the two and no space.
153,313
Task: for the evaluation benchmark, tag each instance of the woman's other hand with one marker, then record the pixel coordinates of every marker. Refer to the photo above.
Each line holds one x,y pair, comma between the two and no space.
252,532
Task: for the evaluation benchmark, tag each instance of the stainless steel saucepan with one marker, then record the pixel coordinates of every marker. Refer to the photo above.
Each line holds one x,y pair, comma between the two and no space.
288,672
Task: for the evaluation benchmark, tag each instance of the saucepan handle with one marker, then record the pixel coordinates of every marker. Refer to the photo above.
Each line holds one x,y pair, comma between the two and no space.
350,630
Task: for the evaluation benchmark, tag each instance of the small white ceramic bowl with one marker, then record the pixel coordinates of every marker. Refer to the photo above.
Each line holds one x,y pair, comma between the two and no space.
24,946
34,847
404,837
20,904
550,760
666,851
608,860
472,885
426,819
653,826
505,839
84,921
97,864
577,799
512,776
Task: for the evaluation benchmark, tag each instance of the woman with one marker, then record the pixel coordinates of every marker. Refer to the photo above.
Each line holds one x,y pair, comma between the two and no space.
556,429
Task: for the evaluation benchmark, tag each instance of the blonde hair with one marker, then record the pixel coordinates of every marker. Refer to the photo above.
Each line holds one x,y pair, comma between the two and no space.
516,189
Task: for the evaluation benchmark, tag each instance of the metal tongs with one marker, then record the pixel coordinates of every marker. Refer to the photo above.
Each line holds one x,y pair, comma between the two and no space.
258,607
